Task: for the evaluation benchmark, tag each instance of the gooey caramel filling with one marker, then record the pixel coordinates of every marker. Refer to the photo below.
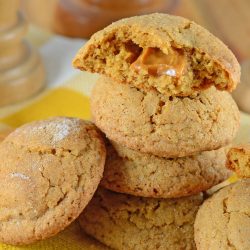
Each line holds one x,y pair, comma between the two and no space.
158,63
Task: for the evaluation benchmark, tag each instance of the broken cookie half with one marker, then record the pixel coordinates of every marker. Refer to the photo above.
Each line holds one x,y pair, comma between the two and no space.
158,51
238,160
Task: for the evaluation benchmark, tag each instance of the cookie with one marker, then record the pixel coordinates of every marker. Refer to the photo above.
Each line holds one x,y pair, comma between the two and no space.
158,51
238,160
164,126
49,171
223,221
141,174
128,222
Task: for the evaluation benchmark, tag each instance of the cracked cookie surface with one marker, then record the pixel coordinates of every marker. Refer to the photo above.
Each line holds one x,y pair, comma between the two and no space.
132,172
223,221
128,222
158,51
48,173
164,126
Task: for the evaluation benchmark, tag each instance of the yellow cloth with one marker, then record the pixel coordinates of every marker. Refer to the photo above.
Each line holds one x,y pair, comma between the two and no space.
69,98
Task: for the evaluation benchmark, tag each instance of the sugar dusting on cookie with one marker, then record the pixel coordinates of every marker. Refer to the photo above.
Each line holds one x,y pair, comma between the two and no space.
56,130
19,175
64,128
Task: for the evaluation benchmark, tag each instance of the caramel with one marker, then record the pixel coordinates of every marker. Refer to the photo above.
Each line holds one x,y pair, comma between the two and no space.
157,63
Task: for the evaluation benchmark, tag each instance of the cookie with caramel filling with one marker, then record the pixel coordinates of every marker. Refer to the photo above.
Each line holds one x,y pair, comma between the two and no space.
158,51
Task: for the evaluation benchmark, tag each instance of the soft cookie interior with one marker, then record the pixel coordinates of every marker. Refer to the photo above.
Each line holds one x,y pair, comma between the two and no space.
145,60
239,160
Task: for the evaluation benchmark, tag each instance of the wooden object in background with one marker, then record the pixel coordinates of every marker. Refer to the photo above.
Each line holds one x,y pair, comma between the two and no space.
21,70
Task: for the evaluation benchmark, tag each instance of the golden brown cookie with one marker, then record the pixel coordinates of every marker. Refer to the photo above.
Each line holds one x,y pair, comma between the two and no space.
132,172
165,126
128,222
48,173
223,221
158,51
238,160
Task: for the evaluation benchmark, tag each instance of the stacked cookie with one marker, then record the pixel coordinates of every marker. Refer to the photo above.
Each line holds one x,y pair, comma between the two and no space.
164,106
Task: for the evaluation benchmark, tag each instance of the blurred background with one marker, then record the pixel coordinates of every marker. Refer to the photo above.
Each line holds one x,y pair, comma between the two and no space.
38,39
227,19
